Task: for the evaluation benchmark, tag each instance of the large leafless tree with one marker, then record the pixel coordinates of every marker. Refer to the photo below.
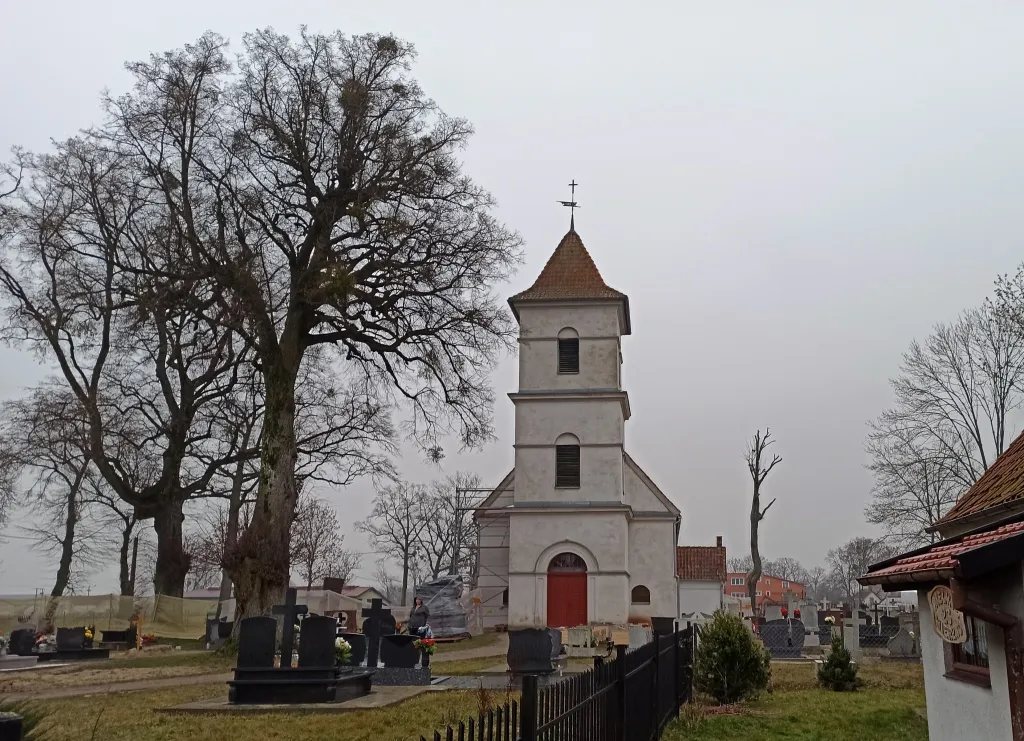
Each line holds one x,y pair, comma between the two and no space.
317,543
399,517
320,190
850,561
759,467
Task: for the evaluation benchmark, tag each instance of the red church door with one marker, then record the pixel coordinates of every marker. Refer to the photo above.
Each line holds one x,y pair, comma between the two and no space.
567,591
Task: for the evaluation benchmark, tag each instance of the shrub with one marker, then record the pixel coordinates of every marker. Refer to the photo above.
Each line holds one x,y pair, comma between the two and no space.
730,664
838,673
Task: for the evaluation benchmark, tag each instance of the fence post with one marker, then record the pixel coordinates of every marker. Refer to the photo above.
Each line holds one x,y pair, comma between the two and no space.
620,690
655,689
676,638
528,709
10,727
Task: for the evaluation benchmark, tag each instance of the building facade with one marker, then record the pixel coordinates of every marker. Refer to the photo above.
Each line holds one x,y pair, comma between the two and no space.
702,573
770,589
577,533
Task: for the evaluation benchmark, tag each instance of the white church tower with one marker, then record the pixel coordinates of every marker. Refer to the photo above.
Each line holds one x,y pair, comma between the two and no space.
577,533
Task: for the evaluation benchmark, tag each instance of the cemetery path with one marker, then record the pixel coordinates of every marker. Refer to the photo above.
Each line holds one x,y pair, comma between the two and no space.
112,687
498,648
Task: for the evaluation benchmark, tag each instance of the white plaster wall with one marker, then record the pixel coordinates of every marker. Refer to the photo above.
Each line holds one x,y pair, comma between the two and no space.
492,574
594,421
600,476
538,365
700,596
958,711
652,562
588,319
602,534
637,495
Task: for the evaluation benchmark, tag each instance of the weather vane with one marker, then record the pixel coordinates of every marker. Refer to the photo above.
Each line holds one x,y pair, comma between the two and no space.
571,203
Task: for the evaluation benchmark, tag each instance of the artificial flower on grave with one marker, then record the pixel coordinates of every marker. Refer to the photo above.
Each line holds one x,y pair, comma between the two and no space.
88,633
425,645
342,651
830,619
785,612
796,613
148,639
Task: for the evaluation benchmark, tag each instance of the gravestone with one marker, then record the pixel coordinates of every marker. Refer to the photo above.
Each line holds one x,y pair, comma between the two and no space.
290,612
903,645
256,639
72,645
809,617
397,651
639,635
377,617
783,638
358,643
530,651
851,636
772,613
316,642
22,642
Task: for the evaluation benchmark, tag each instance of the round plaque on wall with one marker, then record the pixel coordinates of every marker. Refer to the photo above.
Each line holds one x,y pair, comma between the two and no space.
947,621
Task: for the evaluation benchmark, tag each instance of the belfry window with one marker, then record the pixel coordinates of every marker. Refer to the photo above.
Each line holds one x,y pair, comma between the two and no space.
568,351
567,466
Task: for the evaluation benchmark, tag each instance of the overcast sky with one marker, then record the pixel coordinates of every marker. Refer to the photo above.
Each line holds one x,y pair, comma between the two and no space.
788,192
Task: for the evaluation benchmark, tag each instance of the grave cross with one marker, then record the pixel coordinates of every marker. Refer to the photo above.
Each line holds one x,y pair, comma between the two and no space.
291,613
375,615
878,625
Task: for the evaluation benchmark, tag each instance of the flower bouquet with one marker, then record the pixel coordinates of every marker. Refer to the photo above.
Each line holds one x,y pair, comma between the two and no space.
342,651
89,633
426,646
785,612
830,619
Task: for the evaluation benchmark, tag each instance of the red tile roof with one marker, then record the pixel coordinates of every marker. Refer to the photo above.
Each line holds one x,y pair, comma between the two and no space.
701,562
1002,483
570,273
942,557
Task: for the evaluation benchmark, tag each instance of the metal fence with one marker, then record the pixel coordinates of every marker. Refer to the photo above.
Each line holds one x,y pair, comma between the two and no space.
633,697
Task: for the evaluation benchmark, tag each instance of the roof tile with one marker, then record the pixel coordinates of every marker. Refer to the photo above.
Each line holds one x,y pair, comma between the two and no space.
570,273
701,562
1002,483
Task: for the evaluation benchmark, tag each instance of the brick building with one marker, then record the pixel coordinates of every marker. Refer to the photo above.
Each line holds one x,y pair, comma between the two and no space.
769,588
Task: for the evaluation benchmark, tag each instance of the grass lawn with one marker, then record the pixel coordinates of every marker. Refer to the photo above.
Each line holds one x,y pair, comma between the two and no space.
481,641
130,717
797,710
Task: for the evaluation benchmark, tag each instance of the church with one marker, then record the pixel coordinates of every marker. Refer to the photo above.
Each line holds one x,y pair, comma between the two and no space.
576,533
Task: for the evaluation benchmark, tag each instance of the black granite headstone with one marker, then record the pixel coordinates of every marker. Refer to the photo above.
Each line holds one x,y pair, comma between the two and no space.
22,641
291,613
376,615
530,651
398,651
316,642
70,639
663,625
783,638
358,643
257,637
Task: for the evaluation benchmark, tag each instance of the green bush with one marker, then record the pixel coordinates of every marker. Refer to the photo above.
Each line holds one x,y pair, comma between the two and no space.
838,673
730,664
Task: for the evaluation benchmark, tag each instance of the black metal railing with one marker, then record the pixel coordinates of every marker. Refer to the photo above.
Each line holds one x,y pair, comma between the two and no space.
632,697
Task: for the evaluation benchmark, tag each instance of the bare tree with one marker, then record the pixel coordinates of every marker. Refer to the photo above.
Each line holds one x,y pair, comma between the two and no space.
387,584
917,479
950,421
447,541
742,563
786,568
759,470
396,523
321,191
817,583
317,543
850,561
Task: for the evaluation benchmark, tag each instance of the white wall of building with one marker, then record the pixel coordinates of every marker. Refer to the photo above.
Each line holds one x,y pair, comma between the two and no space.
653,564
700,596
958,711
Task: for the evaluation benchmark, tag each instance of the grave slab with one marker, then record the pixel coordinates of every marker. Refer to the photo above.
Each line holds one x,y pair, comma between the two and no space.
380,697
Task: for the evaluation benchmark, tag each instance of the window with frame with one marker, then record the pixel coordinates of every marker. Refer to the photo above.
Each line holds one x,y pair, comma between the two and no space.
568,354
567,466
785,585
968,661
757,594
738,581
640,595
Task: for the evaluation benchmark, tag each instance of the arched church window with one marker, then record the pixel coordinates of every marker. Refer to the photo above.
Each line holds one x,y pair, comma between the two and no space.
640,595
568,351
567,562
567,462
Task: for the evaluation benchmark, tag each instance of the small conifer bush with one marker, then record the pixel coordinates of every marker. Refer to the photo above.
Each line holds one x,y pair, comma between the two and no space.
838,673
730,664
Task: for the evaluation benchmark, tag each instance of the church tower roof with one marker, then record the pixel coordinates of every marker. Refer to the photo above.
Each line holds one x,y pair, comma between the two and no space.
570,275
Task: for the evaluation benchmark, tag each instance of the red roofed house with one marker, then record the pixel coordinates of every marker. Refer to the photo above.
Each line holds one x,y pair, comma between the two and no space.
701,573
971,596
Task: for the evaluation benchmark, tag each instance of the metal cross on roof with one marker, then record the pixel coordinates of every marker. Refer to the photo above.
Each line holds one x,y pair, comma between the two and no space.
572,204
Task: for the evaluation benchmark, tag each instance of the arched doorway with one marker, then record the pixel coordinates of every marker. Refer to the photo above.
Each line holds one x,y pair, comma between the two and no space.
567,591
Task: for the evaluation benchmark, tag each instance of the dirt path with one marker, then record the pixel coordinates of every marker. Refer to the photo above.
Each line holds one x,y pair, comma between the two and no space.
104,689
498,648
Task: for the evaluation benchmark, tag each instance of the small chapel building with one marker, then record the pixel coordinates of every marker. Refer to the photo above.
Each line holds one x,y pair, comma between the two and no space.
576,533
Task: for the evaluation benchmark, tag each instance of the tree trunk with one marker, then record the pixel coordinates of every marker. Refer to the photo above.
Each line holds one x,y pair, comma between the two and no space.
67,553
172,563
231,533
755,556
258,564
124,576
405,576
